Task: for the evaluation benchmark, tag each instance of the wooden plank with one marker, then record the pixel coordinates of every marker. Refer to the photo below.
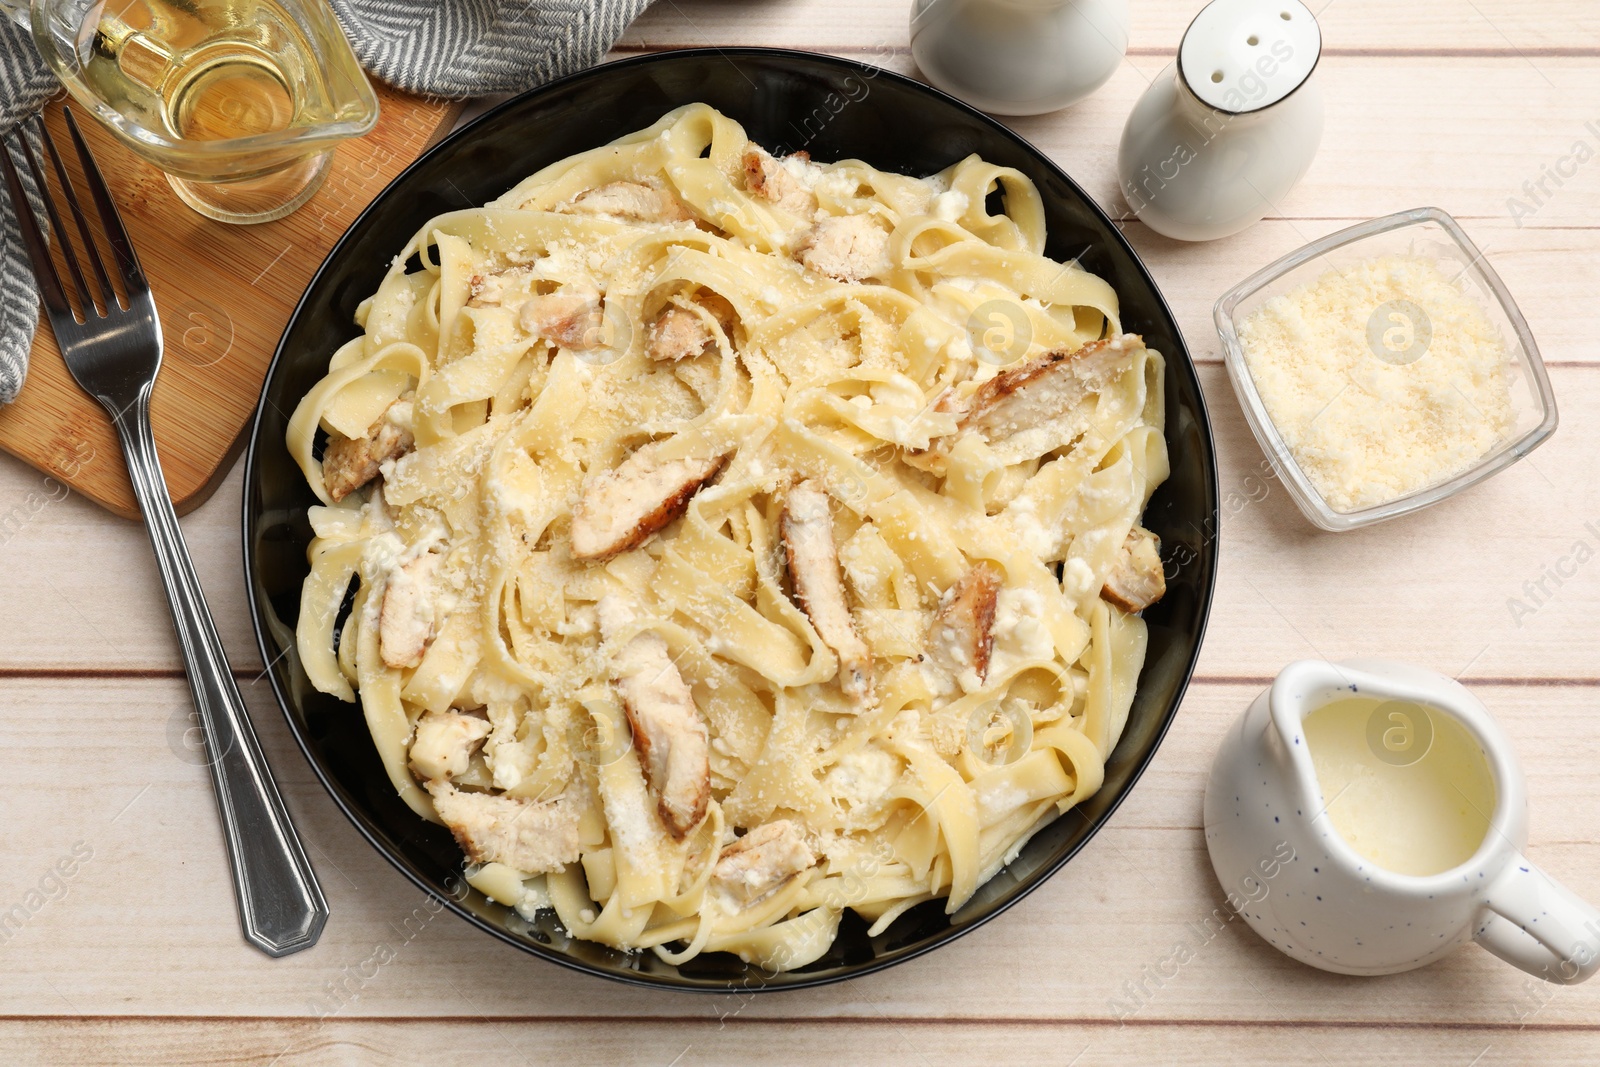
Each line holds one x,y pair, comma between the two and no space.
1378,156
710,1042
224,294
1462,587
82,590
1444,26
146,924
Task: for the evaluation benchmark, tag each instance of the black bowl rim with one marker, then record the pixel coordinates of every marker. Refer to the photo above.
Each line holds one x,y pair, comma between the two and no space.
656,981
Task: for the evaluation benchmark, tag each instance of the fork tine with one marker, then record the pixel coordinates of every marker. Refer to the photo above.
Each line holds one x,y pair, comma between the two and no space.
85,297
121,245
44,268
65,182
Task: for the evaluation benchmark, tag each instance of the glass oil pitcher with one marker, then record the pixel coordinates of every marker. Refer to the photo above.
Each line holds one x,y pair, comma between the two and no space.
239,102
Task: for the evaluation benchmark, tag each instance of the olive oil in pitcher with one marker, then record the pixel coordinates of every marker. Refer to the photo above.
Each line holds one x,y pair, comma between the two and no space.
238,101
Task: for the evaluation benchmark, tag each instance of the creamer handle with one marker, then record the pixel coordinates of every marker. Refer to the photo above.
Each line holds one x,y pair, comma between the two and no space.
1534,922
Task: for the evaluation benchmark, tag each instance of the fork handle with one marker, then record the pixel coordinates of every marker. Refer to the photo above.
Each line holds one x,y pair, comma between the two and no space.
281,906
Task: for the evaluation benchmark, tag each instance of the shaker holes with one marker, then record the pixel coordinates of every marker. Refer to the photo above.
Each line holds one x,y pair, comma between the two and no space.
1216,75
1285,16
1252,40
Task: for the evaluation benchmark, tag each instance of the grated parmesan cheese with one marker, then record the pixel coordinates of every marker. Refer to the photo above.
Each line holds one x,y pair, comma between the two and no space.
1372,406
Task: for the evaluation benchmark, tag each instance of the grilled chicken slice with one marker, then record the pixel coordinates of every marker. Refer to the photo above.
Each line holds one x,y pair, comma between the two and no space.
571,317
489,289
620,509
807,530
444,743
526,835
762,860
1138,580
631,200
667,730
847,248
348,463
767,177
679,333
964,628
1029,410
406,624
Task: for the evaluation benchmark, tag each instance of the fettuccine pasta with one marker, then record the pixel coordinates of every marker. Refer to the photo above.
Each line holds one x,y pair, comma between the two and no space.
718,542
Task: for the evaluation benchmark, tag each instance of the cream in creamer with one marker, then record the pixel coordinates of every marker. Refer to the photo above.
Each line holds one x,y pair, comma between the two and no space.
1406,786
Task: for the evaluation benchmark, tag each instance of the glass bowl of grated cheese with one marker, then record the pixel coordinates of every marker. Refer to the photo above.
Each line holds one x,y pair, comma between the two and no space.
1384,368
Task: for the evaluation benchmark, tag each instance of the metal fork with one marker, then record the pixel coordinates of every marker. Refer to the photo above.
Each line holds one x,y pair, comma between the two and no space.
114,354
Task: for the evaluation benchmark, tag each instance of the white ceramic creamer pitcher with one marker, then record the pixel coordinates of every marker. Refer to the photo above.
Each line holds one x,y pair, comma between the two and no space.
1019,57
1335,909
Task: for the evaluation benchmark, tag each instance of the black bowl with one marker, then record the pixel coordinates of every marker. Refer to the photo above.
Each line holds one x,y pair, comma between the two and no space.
835,109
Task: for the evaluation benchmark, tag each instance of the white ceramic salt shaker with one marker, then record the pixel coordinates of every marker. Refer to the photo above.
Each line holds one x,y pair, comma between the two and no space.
1019,57
1225,132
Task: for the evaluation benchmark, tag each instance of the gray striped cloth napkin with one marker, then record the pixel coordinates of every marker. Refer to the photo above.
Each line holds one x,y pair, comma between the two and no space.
25,84
453,48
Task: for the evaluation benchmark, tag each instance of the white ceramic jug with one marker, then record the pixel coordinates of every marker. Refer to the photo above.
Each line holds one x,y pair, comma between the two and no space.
1334,909
1228,129
1019,57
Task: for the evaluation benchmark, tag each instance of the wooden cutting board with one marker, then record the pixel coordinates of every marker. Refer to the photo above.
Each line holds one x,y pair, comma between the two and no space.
224,294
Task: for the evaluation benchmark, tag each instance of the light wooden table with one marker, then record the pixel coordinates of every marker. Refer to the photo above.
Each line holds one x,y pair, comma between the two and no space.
1450,102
